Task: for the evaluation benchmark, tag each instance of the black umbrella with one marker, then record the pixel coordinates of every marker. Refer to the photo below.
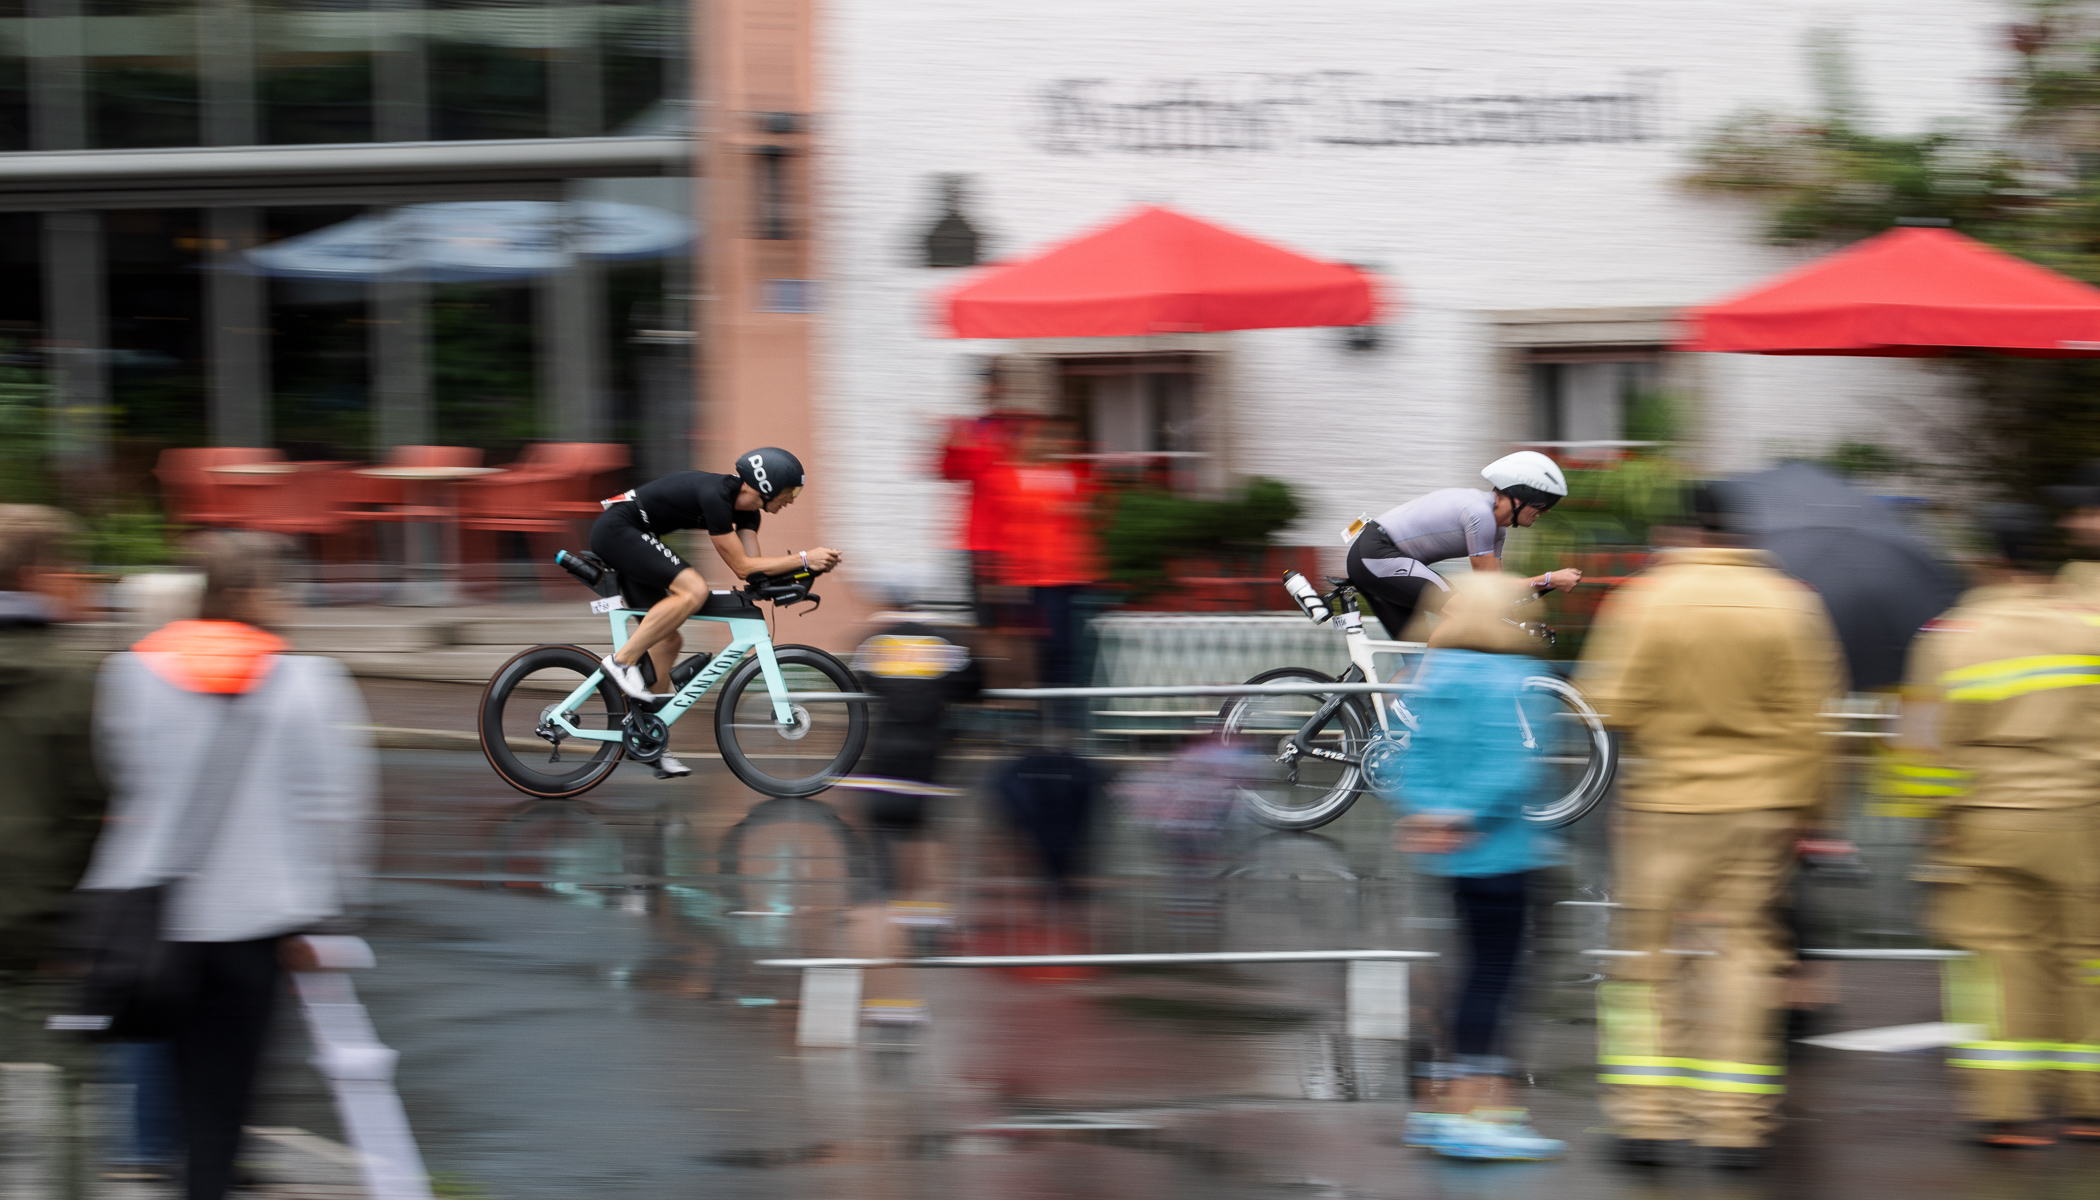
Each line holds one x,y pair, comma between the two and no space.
1878,577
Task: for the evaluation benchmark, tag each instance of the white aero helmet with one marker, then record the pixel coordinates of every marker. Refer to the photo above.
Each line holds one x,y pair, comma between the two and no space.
1528,477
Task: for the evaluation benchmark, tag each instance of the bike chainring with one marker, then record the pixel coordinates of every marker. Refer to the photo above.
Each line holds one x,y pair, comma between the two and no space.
1382,761
645,736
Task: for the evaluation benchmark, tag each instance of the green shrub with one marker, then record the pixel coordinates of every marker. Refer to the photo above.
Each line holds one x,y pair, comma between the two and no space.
1151,525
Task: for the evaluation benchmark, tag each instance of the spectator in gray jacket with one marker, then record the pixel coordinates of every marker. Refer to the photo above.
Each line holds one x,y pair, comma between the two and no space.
291,848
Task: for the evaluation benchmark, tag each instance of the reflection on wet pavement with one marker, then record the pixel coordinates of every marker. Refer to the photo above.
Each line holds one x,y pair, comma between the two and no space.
573,993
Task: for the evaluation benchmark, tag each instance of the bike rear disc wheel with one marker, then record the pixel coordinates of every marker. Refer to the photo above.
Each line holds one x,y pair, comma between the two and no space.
515,708
801,759
1579,754
1308,792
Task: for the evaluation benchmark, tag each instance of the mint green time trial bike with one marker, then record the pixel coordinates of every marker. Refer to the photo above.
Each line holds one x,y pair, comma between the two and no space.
554,726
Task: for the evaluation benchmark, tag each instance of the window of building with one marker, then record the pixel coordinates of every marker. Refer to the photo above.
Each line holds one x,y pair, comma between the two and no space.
1587,403
1140,414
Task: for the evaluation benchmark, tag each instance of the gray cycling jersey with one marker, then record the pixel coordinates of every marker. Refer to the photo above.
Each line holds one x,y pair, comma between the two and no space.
1451,523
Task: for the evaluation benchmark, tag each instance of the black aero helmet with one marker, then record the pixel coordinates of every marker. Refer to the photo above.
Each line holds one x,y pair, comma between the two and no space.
771,471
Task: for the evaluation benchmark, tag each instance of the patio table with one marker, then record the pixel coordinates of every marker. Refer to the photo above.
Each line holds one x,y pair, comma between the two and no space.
433,491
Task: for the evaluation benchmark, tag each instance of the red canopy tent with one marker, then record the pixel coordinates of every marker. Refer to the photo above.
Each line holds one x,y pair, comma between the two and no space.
1910,292
1158,271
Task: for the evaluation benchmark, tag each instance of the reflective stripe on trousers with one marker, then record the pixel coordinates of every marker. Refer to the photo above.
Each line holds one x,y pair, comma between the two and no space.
1631,1027
1706,1075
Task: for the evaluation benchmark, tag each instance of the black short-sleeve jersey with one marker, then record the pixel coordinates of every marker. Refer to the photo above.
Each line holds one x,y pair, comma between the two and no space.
693,500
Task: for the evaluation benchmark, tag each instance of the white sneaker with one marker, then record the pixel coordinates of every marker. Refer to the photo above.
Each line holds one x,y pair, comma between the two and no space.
627,679
670,768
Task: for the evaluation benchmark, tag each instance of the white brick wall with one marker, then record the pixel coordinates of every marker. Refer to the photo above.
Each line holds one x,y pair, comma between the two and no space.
919,87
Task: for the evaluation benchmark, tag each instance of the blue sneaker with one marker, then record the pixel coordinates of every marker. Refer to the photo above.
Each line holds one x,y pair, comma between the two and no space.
1473,1137
1426,1129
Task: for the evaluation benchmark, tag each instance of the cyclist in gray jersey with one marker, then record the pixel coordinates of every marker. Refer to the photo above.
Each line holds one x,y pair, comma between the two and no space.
1389,560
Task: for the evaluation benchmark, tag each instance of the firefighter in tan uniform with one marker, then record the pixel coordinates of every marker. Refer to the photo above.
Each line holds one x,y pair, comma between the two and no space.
1719,667
2006,687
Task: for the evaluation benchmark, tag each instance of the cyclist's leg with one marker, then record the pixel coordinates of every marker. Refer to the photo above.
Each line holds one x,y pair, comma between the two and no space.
661,632
1390,581
652,576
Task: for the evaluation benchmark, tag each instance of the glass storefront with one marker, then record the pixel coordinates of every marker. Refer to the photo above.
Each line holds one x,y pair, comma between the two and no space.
160,313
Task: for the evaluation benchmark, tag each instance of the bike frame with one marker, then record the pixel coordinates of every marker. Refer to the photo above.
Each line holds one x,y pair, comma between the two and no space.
747,635
1363,653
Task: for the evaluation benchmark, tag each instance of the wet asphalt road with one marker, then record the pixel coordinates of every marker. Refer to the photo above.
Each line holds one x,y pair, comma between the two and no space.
562,1036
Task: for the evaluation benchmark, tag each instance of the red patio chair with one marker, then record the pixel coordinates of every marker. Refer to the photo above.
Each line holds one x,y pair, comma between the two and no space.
307,503
597,465
551,487
191,494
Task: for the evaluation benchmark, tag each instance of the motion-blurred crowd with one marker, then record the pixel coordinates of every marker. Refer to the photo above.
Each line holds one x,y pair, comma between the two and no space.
209,766
203,776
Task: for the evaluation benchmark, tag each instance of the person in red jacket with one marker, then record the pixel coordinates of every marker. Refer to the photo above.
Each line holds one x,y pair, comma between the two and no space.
1045,503
976,449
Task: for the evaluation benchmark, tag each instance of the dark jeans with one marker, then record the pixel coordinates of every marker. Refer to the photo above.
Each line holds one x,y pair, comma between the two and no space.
153,1134
218,1050
1057,617
1057,620
983,578
1492,909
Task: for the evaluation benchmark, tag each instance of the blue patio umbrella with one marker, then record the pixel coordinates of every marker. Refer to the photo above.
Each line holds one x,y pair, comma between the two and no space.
472,240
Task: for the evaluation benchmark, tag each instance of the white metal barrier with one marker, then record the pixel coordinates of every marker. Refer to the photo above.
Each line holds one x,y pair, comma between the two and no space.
830,1015
360,1071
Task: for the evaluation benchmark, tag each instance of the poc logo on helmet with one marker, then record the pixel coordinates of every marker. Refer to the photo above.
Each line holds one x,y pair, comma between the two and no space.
757,463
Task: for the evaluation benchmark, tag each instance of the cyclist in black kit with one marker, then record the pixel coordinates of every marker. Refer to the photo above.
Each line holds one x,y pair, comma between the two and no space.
653,576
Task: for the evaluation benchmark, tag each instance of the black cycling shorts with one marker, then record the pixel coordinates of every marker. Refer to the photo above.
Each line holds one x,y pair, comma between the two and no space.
646,566
1392,582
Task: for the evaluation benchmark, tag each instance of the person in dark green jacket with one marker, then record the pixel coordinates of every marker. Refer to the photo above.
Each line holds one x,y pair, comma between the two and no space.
50,810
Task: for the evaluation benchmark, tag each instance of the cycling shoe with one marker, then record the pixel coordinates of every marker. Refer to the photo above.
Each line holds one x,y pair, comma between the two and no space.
628,679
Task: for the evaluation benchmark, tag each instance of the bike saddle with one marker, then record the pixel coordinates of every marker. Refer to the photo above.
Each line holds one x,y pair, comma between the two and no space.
1333,582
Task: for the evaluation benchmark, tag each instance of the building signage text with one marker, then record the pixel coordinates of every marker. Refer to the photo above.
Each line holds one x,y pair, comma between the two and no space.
1242,114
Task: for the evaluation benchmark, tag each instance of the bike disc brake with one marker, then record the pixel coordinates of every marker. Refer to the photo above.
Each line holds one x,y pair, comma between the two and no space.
800,729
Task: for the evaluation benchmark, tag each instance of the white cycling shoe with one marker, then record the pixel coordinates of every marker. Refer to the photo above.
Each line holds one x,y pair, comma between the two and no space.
670,768
627,679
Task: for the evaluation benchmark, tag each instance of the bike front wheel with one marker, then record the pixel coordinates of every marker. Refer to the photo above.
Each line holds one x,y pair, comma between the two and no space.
517,711
802,758
1285,789
1579,754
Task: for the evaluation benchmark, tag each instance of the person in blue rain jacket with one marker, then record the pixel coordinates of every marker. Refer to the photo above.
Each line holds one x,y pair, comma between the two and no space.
1463,787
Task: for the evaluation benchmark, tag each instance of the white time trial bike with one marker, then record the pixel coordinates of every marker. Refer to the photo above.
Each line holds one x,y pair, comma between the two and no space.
1314,754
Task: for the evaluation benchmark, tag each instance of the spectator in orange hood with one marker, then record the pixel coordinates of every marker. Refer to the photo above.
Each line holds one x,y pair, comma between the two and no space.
286,849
